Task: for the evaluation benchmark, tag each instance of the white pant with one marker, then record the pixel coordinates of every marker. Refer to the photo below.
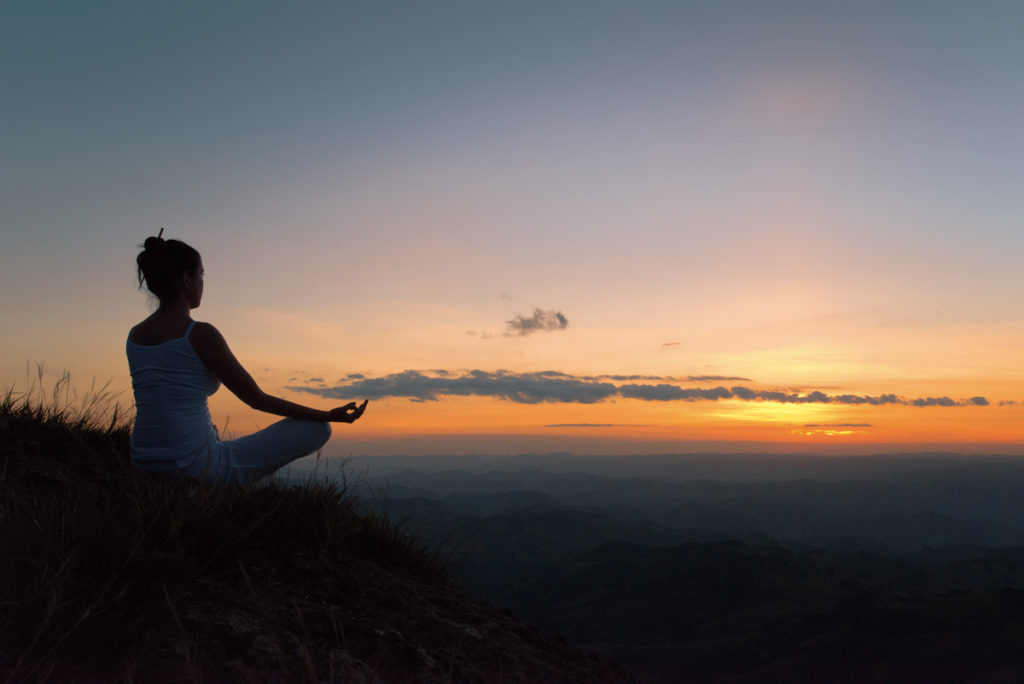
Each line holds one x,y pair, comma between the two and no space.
247,459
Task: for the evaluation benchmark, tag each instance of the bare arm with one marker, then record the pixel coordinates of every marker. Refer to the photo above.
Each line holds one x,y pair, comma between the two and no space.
213,350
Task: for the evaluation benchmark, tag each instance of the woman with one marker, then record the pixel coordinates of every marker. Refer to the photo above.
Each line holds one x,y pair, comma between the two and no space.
176,363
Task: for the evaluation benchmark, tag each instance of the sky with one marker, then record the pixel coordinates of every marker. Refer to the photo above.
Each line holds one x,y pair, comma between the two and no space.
598,227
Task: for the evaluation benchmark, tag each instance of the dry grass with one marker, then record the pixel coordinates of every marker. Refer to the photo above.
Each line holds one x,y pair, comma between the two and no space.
113,571
96,410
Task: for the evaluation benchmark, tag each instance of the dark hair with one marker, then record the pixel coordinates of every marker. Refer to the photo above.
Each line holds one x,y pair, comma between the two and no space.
162,261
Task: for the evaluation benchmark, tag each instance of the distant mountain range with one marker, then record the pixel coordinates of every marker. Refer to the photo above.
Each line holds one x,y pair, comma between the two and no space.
910,571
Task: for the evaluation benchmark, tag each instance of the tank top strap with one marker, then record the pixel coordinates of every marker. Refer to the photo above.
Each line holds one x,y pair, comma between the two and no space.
188,333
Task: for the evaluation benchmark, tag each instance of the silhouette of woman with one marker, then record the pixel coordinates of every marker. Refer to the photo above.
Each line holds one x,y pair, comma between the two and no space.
176,363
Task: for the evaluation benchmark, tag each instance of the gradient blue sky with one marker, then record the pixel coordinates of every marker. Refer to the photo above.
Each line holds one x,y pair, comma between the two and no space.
813,195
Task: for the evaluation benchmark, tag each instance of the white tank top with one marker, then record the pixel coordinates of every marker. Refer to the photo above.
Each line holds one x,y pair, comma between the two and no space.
172,419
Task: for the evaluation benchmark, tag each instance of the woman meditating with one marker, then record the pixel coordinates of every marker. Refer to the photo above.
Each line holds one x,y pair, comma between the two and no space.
176,363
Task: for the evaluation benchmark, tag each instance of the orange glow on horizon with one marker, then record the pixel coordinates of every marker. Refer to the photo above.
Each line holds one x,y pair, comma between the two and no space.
625,421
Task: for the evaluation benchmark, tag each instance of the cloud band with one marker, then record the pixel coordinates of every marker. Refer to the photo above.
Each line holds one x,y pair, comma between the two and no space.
558,387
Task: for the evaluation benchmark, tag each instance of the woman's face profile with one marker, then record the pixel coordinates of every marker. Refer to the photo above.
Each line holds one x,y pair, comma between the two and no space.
194,289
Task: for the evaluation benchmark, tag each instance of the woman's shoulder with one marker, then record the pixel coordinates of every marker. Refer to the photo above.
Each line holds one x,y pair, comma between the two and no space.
153,331
210,345
205,336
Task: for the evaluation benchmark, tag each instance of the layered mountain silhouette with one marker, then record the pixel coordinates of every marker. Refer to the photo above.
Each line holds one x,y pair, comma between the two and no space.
914,576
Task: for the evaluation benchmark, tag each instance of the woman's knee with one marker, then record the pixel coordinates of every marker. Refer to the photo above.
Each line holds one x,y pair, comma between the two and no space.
322,433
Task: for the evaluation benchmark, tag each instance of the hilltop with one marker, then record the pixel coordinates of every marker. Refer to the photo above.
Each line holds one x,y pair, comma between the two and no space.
112,575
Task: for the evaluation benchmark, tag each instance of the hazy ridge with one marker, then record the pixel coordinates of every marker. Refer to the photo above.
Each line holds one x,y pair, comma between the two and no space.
883,569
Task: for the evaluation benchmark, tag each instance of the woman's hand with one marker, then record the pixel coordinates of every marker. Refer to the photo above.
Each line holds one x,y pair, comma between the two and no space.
349,413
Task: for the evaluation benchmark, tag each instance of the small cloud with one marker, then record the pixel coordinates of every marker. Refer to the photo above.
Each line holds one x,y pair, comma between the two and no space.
320,380
596,425
838,425
716,378
979,401
1008,402
666,392
670,344
856,399
933,401
540,321
625,378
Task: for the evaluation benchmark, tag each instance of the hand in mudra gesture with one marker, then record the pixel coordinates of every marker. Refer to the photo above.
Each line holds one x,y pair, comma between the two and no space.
349,413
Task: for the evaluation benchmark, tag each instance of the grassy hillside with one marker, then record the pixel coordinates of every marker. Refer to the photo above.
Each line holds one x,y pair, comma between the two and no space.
112,575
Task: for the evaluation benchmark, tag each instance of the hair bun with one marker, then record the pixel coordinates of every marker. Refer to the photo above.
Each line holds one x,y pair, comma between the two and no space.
155,242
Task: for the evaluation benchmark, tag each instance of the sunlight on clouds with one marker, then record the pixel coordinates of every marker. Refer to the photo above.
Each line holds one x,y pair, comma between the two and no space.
826,432
775,413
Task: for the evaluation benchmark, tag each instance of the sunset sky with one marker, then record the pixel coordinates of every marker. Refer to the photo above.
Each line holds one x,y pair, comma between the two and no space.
599,227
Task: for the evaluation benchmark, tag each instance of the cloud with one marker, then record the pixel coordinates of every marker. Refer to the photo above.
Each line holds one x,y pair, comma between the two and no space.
670,344
666,392
744,393
559,387
523,388
594,425
716,378
540,321
933,401
668,378
838,425
880,400
625,378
